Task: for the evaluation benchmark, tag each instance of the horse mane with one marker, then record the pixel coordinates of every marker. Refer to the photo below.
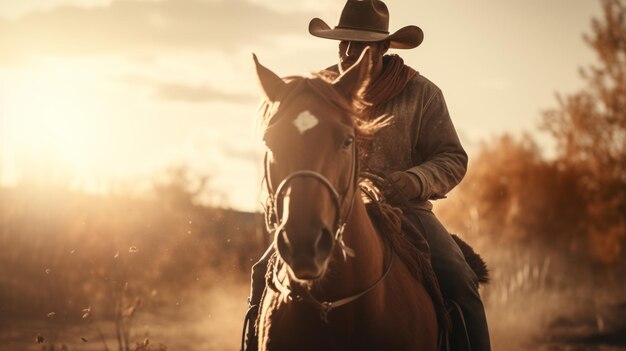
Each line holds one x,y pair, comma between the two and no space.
397,231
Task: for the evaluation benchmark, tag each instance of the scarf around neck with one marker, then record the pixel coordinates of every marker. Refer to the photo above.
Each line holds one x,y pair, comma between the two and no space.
391,82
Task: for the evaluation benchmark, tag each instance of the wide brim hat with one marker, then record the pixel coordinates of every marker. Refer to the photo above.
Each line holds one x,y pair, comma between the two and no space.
367,21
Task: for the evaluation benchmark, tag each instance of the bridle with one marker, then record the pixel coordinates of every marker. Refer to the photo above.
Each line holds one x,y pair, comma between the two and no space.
275,226
272,217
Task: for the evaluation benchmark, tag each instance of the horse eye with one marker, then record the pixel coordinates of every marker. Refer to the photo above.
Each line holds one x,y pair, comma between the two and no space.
347,143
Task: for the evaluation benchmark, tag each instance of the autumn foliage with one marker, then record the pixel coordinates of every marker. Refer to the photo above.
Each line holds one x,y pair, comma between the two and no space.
575,201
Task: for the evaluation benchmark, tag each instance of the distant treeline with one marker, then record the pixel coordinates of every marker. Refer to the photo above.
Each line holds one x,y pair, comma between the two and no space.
64,250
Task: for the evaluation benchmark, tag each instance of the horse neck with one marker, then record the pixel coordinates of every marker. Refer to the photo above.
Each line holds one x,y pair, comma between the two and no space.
359,272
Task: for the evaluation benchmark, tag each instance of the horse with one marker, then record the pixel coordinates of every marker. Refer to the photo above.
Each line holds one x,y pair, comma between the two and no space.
335,282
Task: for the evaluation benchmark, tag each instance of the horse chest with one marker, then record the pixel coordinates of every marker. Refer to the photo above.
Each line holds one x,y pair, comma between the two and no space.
298,326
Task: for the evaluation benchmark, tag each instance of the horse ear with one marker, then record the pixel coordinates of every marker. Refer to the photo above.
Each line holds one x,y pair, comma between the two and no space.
270,82
353,82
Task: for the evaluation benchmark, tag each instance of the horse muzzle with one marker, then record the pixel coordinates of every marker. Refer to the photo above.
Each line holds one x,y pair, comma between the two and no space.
306,252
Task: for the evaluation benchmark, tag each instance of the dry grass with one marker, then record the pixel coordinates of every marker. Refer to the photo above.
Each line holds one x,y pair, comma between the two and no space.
70,255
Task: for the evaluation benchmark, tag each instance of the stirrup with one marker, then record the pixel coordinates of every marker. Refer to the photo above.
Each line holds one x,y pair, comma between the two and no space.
458,331
251,314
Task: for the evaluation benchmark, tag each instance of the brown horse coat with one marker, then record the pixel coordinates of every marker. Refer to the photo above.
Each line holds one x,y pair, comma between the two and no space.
397,313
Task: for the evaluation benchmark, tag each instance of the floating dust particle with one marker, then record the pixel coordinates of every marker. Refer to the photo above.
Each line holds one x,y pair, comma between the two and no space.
48,270
117,254
51,314
132,249
86,312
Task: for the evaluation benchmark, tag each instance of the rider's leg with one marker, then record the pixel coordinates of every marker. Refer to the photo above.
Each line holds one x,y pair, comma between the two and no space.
258,277
256,292
457,280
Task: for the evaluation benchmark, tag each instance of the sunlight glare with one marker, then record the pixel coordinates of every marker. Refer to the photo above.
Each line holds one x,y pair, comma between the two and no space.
47,119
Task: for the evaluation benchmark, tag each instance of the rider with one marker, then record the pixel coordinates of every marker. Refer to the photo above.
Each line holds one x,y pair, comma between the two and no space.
419,152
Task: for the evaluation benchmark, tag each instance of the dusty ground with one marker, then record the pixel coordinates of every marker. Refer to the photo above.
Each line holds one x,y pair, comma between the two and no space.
569,320
210,320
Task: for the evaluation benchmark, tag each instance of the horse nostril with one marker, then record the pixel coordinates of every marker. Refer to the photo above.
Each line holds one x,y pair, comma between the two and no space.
324,243
282,245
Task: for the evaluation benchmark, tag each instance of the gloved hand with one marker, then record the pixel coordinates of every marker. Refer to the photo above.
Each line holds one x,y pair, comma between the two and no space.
401,187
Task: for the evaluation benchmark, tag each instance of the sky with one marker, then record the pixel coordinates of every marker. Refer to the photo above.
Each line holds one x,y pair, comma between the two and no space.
95,93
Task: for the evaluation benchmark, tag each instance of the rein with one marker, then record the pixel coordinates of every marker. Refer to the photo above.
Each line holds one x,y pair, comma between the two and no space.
324,306
273,224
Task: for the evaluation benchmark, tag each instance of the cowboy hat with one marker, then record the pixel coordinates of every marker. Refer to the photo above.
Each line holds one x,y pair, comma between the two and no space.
367,21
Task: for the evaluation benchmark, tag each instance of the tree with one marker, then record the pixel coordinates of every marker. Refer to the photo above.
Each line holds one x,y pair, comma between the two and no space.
590,130
574,203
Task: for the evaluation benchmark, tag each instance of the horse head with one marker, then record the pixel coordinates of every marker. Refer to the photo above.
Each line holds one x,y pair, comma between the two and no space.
311,163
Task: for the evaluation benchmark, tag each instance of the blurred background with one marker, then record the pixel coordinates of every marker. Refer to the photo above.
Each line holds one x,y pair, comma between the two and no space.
130,163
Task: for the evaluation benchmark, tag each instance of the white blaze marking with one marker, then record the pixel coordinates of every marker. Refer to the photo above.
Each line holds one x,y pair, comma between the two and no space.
305,121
